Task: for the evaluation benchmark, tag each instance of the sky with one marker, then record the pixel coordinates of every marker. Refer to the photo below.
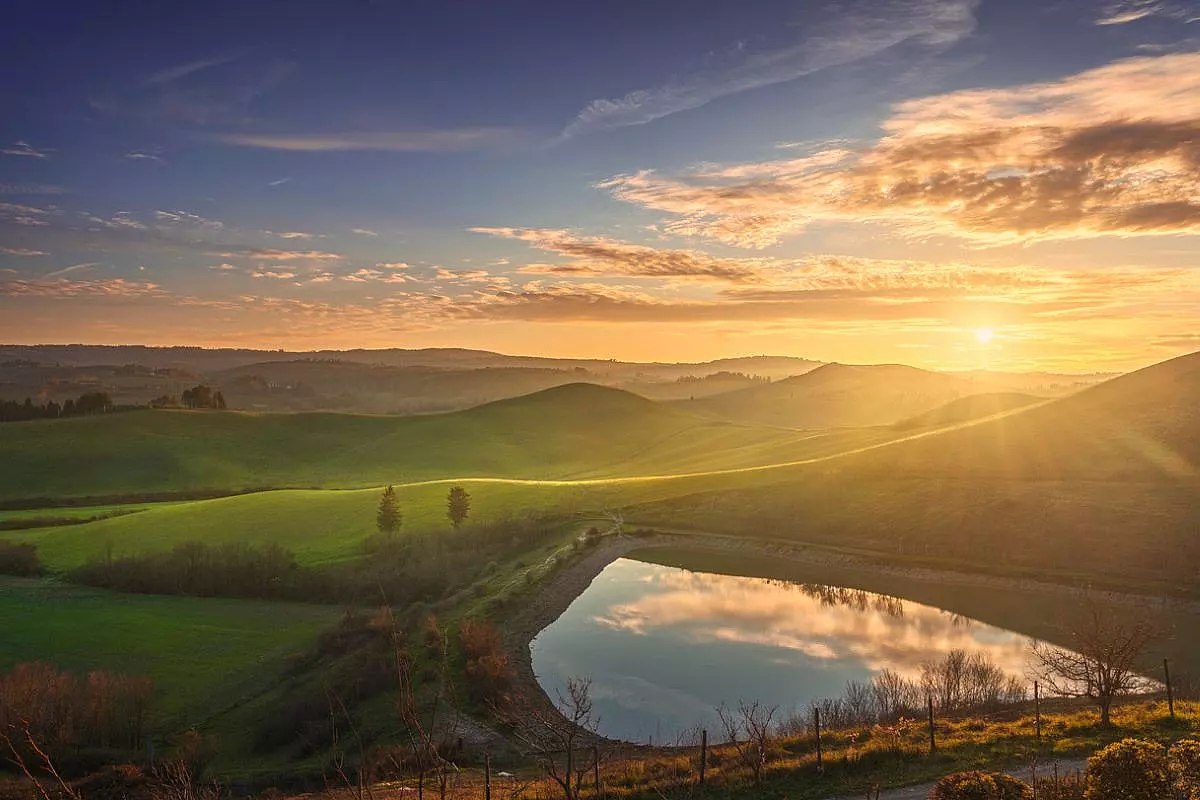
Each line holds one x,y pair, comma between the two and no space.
959,184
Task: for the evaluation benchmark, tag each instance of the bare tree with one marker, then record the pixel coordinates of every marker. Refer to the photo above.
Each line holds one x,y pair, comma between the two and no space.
749,729
1100,662
563,742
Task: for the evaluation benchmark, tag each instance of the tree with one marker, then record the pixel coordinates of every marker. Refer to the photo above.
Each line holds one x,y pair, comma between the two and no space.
1100,664
219,401
388,518
750,731
458,506
559,739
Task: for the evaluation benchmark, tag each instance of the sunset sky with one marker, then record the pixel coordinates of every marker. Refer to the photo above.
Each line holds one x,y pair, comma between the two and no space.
1011,184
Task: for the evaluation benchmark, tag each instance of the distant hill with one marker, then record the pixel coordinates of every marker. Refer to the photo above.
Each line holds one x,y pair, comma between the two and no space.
393,381
1104,483
841,395
968,408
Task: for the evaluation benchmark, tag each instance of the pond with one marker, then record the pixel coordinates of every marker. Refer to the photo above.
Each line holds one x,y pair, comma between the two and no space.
664,645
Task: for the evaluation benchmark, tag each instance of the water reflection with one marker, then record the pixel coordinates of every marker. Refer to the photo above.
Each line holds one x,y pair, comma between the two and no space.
664,646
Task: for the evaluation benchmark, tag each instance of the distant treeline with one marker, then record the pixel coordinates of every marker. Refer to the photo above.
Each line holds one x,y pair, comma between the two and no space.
91,403
85,405
723,376
403,568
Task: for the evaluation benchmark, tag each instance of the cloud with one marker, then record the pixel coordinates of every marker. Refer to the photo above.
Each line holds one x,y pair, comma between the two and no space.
21,251
853,31
182,70
595,255
63,287
437,141
142,155
363,232
122,220
226,267
1123,12
1109,151
187,218
271,254
279,182
291,234
24,215
273,274
392,265
69,270
25,149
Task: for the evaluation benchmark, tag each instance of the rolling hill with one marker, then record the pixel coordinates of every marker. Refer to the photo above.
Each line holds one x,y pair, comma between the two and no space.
840,396
576,430
1104,483
965,409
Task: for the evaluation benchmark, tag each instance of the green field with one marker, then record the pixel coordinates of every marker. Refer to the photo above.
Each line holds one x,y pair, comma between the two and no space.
569,432
204,655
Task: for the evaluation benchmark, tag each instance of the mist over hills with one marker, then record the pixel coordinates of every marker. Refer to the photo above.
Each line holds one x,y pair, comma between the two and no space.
398,381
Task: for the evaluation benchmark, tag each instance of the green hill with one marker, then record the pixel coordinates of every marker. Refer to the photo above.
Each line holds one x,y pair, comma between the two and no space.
576,430
965,409
1104,483
840,395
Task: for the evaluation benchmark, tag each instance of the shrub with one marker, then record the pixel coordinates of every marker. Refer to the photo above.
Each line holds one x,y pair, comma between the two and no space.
1185,764
978,785
1069,787
17,558
1131,769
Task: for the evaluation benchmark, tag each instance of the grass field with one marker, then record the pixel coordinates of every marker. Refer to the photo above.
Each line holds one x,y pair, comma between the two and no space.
567,432
204,655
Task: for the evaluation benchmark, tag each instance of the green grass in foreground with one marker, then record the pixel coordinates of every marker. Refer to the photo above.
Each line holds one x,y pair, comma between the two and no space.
203,654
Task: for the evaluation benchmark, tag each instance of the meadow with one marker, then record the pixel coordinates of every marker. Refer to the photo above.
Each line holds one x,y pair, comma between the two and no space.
204,655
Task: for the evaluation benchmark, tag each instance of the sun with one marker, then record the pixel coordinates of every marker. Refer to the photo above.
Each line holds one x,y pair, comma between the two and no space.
984,335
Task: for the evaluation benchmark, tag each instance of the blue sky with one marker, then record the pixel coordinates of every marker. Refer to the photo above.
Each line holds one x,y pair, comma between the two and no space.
861,181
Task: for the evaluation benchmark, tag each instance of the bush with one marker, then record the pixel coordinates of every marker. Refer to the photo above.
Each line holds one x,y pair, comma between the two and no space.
1131,769
978,785
1069,787
17,558
1185,764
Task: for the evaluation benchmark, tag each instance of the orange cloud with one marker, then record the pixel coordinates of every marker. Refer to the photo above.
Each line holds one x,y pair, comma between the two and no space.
1109,151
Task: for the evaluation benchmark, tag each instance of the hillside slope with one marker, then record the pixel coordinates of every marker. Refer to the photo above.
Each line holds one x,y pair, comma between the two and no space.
965,409
841,395
1104,483
572,431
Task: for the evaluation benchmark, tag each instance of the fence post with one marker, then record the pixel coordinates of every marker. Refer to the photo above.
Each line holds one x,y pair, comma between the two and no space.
487,776
1170,693
932,736
703,753
596,768
1037,709
817,728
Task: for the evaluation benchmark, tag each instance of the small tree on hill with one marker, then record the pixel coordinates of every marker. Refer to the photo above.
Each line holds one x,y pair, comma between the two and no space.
458,506
388,517
1101,662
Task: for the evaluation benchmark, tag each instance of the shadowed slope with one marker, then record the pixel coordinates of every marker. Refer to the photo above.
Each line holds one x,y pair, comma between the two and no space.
966,409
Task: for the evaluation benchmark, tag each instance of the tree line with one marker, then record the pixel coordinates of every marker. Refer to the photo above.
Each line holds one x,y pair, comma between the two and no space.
85,405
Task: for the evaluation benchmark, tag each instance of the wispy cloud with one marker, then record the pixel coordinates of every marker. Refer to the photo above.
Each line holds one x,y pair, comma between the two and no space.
187,218
21,251
182,70
273,274
271,254
1110,151
363,232
291,234
435,141
29,189
73,268
25,149
280,182
855,31
596,255
1123,12
63,287
143,155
